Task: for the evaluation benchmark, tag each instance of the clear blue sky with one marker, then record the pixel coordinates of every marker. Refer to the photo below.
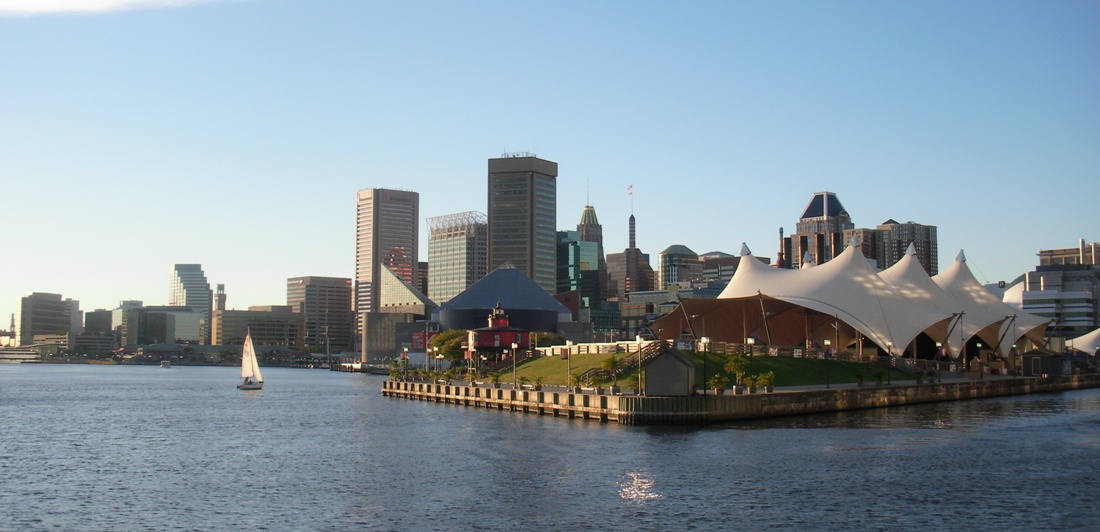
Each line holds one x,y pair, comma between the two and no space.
235,133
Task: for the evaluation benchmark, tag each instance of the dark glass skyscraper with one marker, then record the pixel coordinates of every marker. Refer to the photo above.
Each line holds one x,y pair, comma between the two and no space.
522,216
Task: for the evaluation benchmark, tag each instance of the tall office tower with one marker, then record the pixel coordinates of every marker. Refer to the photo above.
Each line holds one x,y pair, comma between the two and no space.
886,244
578,268
820,230
387,226
324,303
630,270
41,313
188,288
678,264
590,230
458,254
894,239
523,216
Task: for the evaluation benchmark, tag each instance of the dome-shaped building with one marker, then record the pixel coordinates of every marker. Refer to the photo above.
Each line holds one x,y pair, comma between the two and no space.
528,306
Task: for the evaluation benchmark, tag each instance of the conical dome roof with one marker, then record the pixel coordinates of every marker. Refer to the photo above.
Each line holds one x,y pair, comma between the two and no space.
508,287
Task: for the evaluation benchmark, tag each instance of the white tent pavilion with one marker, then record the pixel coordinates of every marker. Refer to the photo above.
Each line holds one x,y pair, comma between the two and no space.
960,282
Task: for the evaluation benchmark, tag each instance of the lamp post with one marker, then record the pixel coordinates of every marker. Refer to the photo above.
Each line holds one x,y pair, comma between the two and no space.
939,353
890,366
515,355
827,344
751,342
706,344
405,362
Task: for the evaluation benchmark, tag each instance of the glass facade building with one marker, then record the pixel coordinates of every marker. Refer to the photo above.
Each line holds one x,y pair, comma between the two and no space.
188,287
457,253
522,216
579,268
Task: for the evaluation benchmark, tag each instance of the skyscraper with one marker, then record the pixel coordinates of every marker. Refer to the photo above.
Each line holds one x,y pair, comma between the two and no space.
590,230
630,270
886,244
578,268
386,232
188,287
677,264
522,216
41,313
457,253
324,303
820,230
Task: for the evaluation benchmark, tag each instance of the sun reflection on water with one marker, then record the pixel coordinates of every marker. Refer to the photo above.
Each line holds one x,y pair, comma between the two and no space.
637,487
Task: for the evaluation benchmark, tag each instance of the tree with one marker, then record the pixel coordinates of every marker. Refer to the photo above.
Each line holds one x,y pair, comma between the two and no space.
611,366
736,365
450,343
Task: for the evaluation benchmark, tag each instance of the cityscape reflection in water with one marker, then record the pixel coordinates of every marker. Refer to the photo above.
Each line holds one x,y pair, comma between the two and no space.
128,447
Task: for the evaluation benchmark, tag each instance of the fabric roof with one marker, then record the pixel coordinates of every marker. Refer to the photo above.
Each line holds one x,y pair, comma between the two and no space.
961,283
890,308
909,278
1086,343
845,287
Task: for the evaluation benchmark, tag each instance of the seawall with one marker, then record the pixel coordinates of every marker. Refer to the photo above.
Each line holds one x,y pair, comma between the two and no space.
701,410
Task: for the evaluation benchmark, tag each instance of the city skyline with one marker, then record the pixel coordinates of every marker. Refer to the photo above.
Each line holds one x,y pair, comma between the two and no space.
252,123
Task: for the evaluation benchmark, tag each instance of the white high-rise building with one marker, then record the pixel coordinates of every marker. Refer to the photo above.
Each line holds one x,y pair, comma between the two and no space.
188,287
387,226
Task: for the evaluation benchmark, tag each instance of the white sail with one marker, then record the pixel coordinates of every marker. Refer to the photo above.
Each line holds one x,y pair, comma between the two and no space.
249,366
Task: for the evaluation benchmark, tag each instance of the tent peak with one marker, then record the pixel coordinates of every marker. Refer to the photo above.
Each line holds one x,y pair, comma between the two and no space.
911,250
961,257
745,250
854,241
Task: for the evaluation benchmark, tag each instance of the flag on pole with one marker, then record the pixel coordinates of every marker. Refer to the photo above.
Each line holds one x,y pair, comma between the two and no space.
630,190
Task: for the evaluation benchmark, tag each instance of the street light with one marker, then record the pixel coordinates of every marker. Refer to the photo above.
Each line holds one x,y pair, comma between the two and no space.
405,361
751,341
939,353
515,355
827,344
890,350
706,344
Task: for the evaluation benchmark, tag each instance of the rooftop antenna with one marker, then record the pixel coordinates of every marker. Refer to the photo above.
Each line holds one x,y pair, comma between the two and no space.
630,192
588,192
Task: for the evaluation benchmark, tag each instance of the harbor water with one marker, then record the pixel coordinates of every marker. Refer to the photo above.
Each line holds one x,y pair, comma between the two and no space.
146,448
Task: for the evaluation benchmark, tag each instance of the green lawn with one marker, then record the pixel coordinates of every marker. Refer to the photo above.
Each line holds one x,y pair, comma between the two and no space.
789,371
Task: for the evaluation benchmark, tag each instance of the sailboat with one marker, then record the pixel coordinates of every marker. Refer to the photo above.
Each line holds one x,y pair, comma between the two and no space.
250,368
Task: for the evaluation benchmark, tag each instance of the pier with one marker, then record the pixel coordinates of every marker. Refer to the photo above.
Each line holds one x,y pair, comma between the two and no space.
704,409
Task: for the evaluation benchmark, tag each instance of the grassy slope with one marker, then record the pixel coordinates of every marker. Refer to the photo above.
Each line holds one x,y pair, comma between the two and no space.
789,371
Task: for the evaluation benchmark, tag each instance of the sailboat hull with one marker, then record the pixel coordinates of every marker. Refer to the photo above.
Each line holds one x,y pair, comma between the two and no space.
254,386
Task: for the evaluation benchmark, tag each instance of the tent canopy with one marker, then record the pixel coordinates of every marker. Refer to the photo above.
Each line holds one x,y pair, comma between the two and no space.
845,298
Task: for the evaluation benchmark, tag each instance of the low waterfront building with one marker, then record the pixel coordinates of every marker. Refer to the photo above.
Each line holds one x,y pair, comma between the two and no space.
269,325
